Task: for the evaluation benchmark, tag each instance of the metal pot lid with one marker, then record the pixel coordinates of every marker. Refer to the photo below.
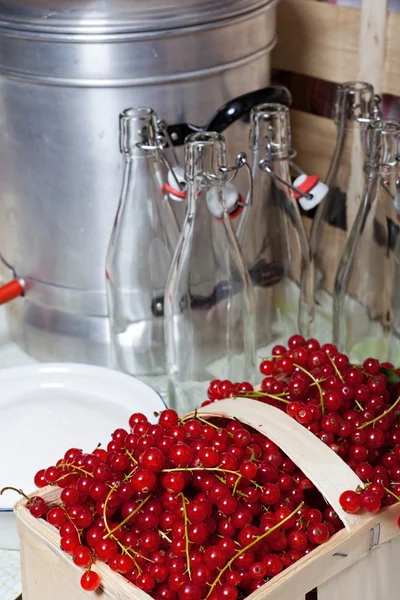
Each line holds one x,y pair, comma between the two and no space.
120,16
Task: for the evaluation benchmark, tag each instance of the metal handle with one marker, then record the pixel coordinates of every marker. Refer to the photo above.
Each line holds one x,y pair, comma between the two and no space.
11,290
262,274
231,112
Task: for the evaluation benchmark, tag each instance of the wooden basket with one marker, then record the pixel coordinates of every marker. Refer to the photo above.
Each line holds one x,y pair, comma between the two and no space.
357,563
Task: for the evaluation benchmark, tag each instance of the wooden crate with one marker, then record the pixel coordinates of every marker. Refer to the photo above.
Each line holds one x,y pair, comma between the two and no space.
357,563
336,44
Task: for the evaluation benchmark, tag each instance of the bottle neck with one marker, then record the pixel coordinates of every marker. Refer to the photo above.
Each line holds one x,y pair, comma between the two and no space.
193,193
349,149
274,170
381,197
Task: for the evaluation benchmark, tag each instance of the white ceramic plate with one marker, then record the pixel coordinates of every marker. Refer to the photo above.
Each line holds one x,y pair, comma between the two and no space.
46,409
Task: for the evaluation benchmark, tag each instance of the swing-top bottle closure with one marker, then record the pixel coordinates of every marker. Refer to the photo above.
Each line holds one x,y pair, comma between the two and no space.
383,155
205,154
205,169
270,138
383,145
356,101
140,131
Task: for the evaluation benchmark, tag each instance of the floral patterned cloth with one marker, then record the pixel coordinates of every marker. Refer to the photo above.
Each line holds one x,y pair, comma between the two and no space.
10,575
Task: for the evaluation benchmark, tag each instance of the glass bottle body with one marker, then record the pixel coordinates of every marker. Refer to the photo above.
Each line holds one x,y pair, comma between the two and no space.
277,254
279,264
142,243
367,280
336,214
209,304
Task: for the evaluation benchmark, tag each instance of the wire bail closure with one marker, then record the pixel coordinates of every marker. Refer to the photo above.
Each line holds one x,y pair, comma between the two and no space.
164,141
264,165
224,179
307,189
241,161
376,111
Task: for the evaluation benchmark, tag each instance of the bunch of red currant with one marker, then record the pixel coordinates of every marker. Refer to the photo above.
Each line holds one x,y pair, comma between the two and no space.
351,408
201,509
185,509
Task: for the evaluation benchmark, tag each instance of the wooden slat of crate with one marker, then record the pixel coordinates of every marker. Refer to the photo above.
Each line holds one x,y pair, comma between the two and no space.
371,57
383,559
322,40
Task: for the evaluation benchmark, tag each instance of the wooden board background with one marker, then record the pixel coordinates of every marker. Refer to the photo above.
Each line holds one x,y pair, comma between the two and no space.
335,44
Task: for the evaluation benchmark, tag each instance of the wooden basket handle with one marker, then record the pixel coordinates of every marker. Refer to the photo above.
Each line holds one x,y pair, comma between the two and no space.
325,469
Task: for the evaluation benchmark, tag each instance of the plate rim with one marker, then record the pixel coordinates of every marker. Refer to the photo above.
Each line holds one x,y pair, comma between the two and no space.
70,368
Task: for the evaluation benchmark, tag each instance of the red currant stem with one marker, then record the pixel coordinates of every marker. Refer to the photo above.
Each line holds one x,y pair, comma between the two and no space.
75,468
265,395
250,545
358,405
185,522
217,469
130,475
131,553
133,459
110,533
220,478
78,531
128,518
338,373
380,416
20,492
164,535
206,422
239,493
320,381
321,397
64,477
236,484
391,493
112,489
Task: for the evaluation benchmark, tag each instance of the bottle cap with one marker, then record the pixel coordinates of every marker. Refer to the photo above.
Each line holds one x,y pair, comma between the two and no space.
231,198
270,129
137,125
310,184
175,176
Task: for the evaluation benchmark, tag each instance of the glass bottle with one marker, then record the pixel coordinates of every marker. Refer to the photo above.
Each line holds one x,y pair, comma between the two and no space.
394,344
140,252
356,106
272,235
367,279
209,302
